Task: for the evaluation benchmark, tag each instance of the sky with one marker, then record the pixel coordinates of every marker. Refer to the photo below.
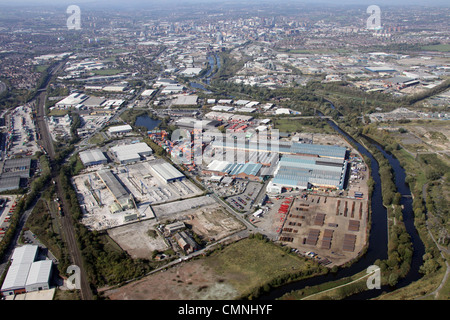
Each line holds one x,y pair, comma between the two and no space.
155,2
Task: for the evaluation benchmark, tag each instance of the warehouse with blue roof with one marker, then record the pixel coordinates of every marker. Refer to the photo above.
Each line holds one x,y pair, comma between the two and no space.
306,172
293,148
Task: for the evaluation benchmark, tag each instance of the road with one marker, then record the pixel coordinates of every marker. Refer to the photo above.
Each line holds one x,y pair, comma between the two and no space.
66,218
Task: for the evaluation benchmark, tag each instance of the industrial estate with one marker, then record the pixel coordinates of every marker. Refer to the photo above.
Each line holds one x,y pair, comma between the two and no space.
185,157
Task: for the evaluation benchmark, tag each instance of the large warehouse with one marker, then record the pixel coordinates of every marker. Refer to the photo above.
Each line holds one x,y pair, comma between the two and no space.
120,129
293,148
304,172
249,171
130,153
122,197
25,273
166,172
93,157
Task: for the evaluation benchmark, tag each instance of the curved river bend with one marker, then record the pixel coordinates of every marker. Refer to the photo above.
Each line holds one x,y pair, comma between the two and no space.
378,238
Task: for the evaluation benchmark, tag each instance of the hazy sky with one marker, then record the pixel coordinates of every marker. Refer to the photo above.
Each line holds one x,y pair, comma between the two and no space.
155,2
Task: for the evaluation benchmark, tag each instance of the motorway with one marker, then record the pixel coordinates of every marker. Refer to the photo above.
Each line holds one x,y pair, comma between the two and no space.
66,218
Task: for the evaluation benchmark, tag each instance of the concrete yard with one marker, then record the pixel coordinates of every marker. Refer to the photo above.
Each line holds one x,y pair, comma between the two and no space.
138,180
134,239
203,214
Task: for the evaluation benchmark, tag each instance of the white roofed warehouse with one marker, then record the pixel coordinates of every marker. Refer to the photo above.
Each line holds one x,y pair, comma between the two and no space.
25,273
118,130
92,157
166,172
130,153
39,276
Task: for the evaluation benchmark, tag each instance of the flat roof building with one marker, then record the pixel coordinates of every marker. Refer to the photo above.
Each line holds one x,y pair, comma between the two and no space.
9,183
130,153
120,129
39,276
304,172
72,100
166,172
294,148
120,194
185,100
17,167
25,274
92,157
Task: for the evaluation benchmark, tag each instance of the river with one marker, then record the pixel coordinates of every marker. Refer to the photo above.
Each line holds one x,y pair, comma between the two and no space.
213,60
378,239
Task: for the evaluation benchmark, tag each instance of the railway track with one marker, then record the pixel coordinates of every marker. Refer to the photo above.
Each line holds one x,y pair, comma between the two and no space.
66,222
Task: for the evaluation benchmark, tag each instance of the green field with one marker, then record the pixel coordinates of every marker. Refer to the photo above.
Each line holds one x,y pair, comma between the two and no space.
252,263
437,47
302,125
107,72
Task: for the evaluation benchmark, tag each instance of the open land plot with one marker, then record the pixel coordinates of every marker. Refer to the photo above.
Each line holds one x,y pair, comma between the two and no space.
146,187
425,135
173,210
213,223
227,274
435,134
136,241
206,217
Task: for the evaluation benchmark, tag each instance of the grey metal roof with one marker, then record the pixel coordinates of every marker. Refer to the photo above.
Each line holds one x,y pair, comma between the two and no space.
39,272
166,171
92,156
114,185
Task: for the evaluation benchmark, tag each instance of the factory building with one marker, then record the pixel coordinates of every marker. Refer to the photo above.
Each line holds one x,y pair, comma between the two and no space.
9,183
186,242
293,148
14,171
123,199
92,157
166,172
119,130
247,171
17,167
39,276
130,153
72,101
304,172
25,273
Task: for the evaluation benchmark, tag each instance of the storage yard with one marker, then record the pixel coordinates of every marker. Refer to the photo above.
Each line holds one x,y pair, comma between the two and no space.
21,136
126,193
333,229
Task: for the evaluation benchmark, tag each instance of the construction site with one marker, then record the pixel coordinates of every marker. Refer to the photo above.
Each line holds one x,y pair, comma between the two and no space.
113,196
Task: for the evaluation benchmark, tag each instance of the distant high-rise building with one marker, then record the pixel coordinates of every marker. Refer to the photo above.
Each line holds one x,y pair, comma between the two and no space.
219,38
